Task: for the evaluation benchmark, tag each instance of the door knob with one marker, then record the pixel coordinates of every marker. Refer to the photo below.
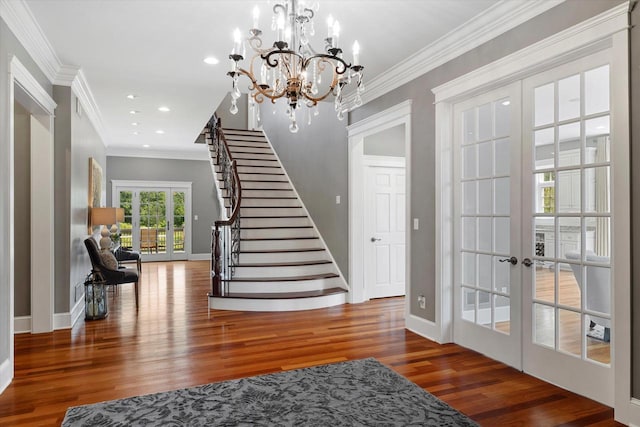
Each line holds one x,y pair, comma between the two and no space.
373,239
513,260
527,262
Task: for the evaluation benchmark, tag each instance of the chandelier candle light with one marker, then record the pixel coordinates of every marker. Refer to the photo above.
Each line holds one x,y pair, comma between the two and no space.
292,68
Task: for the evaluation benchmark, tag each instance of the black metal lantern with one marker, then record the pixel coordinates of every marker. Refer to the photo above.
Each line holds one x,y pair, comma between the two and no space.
95,298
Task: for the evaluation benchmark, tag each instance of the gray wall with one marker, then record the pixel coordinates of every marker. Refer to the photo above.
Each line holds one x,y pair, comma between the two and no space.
422,275
316,160
635,200
203,193
9,46
22,206
233,121
389,142
85,143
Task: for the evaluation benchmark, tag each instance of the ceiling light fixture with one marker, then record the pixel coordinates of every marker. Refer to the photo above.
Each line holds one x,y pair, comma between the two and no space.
160,132
291,67
134,112
146,146
136,132
164,109
134,124
131,96
211,60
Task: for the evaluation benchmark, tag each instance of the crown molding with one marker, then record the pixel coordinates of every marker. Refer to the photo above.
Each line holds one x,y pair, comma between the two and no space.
150,153
22,23
66,74
498,19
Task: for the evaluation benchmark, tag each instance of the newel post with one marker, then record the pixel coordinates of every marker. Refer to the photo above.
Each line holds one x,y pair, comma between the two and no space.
216,282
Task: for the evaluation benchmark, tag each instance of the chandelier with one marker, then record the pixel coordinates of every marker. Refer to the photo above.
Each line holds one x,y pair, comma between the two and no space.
291,68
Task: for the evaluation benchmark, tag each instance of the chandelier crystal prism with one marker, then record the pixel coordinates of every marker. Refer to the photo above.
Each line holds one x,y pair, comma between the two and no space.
291,68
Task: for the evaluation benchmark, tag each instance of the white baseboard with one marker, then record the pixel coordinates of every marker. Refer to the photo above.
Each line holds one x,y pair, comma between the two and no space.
423,327
199,257
21,324
6,374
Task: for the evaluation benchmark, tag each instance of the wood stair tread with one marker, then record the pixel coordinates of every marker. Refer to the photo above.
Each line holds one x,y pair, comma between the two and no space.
276,227
284,264
286,295
277,251
271,207
284,279
253,239
263,197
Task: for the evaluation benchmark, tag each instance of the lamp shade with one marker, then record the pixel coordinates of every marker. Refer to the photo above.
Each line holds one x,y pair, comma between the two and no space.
104,216
120,214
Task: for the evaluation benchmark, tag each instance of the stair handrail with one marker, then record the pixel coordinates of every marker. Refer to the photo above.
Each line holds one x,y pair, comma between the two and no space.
225,239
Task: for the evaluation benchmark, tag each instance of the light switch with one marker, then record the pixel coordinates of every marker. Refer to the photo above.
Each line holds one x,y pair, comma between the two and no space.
337,200
416,223
195,217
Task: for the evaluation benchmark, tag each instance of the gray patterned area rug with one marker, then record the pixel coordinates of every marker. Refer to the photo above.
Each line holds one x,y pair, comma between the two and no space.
356,393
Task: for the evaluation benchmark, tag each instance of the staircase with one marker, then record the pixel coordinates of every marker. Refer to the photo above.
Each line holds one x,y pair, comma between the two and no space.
281,263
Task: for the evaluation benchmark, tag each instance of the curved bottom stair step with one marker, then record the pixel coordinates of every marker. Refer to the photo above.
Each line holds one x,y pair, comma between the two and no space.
291,301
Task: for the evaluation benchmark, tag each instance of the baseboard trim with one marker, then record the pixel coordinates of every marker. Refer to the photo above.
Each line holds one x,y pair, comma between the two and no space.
200,257
6,374
21,324
77,311
423,327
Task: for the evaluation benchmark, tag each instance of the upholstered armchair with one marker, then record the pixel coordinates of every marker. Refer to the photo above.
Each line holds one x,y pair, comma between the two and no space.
596,285
112,275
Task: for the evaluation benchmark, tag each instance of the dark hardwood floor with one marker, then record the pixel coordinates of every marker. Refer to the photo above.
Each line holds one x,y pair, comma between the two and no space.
173,342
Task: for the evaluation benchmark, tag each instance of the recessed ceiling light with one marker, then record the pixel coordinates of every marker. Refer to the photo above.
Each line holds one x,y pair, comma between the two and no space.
164,109
132,96
505,103
134,124
134,112
211,60
136,132
146,146
160,131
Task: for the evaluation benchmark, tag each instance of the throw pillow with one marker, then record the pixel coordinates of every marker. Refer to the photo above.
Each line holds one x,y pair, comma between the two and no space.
109,260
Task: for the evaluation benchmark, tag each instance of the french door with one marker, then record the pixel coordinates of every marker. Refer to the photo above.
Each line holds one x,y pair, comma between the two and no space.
532,226
156,221
487,299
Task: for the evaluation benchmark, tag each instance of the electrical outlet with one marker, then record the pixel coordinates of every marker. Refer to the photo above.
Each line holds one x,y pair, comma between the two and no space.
422,302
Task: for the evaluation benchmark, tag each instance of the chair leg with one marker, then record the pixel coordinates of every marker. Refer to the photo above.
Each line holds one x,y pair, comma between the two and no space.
136,292
139,265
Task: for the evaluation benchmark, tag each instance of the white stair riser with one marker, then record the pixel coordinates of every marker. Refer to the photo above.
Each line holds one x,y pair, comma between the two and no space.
276,233
242,138
260,177
257,245
267,257
247,145
254,169
276,194
269,211
275,287
257,162
243,304
246,202
248,185
252,153
291,271
276,222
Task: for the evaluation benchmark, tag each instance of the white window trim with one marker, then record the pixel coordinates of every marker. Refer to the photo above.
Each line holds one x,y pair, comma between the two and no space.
608,29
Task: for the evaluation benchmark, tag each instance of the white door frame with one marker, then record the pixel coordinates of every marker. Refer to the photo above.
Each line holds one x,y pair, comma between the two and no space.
394,116
373,162
42,223
168,185
609,29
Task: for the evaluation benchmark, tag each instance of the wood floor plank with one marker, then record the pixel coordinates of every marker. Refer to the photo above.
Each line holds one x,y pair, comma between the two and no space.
174,342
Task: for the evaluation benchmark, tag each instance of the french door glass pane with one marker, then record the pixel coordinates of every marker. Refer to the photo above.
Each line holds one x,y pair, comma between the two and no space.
571,219
153,222
126,200
178,221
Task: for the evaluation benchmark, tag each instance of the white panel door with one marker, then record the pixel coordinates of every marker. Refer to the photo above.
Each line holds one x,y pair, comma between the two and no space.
385,231
568,223
487,291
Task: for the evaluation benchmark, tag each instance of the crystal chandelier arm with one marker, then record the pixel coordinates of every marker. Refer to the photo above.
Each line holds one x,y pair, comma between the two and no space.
260,90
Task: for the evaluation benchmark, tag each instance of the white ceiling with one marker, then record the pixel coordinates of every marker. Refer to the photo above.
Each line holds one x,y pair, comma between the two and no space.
155,49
